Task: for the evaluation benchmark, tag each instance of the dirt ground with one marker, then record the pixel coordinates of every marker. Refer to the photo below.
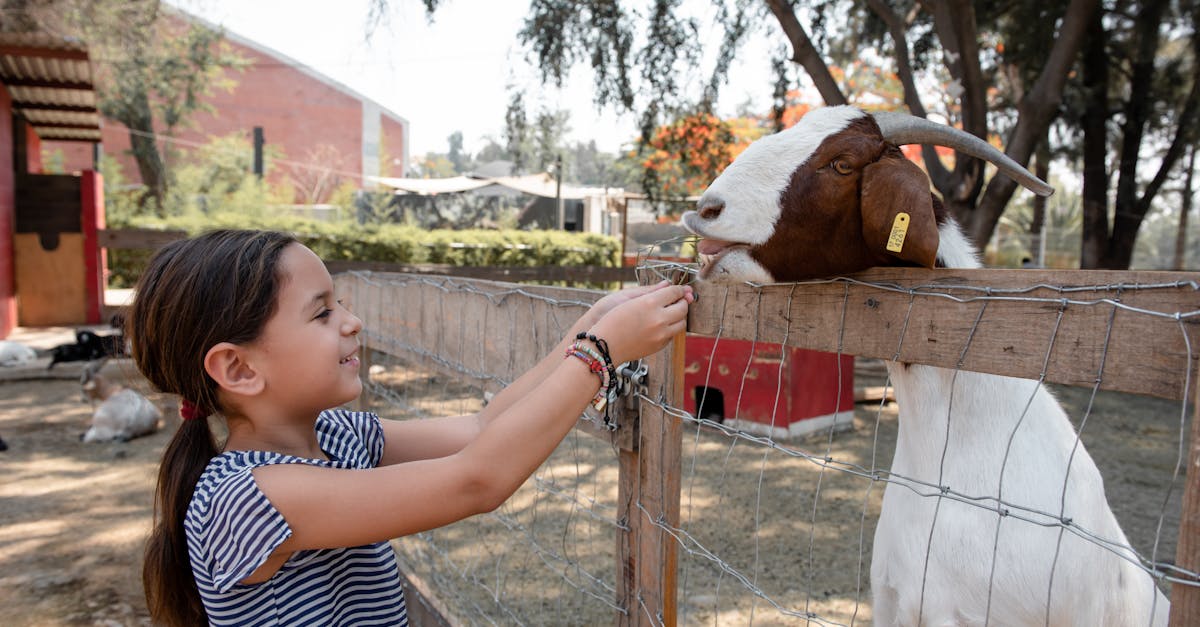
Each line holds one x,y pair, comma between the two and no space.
73,516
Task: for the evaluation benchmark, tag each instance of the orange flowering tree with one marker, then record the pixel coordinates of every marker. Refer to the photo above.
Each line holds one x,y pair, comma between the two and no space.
683,157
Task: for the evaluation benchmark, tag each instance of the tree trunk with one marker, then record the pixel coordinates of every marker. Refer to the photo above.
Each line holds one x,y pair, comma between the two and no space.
1037,225
938,174
143,142
954,21
1035,113
1128,212
1095,147
1185,207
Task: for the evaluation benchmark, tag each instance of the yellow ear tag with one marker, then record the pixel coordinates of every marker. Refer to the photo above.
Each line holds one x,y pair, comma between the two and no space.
899,232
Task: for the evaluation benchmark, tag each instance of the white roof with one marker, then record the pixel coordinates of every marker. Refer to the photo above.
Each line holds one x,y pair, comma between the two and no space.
534,184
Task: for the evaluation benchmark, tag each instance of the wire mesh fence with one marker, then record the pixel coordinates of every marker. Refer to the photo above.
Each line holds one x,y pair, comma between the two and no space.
723,516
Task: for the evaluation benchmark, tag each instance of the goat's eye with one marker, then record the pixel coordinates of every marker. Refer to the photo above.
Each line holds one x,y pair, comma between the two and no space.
841,166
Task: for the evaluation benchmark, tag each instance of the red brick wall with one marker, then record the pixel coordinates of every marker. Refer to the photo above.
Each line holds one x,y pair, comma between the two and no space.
8,301
312,123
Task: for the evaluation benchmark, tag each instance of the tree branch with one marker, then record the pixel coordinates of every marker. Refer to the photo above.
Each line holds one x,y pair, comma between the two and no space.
898,30
954,21
1035,112
805,54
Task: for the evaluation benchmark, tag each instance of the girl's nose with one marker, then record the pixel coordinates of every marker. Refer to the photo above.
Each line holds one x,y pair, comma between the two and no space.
353,324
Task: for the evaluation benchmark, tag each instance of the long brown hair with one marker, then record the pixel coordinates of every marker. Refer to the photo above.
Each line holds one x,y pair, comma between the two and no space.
195,293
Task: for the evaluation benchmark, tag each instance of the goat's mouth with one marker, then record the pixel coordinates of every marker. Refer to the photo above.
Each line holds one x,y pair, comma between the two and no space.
709,253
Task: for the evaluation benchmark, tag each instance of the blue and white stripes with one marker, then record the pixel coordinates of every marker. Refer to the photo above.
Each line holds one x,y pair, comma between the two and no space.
232,529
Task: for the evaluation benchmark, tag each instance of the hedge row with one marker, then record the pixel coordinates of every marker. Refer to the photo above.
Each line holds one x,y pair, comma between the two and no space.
394,243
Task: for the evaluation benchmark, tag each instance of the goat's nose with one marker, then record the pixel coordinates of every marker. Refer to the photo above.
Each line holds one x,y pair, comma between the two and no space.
710,207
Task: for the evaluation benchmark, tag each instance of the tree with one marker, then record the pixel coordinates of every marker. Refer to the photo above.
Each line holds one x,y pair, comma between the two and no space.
918,36
1140,100
536,145
456,156
315,178
154,67
1010,72
681,156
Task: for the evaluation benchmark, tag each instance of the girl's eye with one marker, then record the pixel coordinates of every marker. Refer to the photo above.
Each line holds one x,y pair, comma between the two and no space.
324,313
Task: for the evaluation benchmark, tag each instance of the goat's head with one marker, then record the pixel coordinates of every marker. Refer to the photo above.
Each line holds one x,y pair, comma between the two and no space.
91,381
831,195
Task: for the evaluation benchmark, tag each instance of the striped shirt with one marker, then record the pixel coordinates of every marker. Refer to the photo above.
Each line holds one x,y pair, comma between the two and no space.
232,528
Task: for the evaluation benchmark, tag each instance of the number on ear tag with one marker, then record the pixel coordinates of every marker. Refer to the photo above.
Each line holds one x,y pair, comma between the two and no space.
895,241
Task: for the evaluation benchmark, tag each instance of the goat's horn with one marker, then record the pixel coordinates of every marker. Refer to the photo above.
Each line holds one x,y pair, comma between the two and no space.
901,128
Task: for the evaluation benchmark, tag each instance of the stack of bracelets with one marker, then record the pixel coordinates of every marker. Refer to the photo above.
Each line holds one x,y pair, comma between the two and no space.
600,363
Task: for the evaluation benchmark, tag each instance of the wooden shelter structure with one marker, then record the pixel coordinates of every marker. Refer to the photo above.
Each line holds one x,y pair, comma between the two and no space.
51,266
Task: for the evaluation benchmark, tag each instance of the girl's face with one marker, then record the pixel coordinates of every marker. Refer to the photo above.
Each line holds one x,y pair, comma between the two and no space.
308,350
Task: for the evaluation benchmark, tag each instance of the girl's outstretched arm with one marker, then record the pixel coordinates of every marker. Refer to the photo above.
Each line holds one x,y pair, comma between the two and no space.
328,508
410,440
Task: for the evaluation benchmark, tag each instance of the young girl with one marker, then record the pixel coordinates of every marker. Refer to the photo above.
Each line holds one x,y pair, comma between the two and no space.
288,521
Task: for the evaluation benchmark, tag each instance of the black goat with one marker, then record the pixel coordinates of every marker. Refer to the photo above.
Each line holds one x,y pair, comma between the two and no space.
87,347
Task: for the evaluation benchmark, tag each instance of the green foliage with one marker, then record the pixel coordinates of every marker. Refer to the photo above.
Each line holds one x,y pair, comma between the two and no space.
157,69
391,243
218,178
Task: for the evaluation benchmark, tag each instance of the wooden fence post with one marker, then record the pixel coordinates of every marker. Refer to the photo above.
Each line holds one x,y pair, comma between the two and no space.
1185,599
648,496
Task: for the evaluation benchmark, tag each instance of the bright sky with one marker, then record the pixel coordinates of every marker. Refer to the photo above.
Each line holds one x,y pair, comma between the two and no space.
447,76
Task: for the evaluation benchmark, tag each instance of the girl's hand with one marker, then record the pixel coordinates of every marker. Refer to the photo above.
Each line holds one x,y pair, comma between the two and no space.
613,299
642,320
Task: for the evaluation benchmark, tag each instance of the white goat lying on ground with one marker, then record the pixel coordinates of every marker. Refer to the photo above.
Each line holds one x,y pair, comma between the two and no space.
122,415
15,353
821,199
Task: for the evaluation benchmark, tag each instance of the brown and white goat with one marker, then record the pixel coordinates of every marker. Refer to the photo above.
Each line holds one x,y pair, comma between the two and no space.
122,414
821,199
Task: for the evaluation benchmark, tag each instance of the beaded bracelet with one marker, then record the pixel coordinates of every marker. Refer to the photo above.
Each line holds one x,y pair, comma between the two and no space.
595,365
602,346
612,386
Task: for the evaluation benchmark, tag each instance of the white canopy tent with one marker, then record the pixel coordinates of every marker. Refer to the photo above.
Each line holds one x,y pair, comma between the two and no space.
534,184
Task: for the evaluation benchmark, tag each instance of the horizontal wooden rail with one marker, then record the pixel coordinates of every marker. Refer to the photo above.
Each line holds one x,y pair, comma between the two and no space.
137,239
454,326
515,274
1146,354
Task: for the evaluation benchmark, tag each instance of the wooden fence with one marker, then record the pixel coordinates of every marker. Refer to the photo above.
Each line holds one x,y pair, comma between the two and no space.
1141,330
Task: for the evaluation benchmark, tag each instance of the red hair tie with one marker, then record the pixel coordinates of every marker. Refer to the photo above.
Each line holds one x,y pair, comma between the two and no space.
188,410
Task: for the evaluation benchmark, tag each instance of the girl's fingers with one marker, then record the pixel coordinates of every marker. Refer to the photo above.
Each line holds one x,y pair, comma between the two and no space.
671,294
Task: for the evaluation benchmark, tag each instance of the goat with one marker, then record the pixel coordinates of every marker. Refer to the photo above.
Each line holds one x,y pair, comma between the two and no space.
15,353
821,199
88,346
122,415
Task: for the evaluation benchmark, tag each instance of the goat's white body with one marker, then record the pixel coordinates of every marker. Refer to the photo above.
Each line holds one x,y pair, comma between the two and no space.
124,415
936,559
15,353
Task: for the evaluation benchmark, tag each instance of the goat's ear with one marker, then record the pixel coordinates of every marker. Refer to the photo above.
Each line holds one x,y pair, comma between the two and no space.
897,212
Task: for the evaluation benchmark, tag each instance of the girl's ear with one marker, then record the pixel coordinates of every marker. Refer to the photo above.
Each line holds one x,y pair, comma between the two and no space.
228,365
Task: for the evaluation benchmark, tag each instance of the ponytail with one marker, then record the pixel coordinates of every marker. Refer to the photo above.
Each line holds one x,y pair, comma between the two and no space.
194,293
171,593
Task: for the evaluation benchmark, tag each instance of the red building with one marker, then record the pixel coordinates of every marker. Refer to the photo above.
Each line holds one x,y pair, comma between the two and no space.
316,124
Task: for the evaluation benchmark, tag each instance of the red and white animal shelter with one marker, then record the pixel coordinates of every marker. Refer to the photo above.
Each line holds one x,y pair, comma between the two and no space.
768,389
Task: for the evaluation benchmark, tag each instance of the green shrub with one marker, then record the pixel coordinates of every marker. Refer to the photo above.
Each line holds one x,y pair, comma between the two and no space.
389,243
